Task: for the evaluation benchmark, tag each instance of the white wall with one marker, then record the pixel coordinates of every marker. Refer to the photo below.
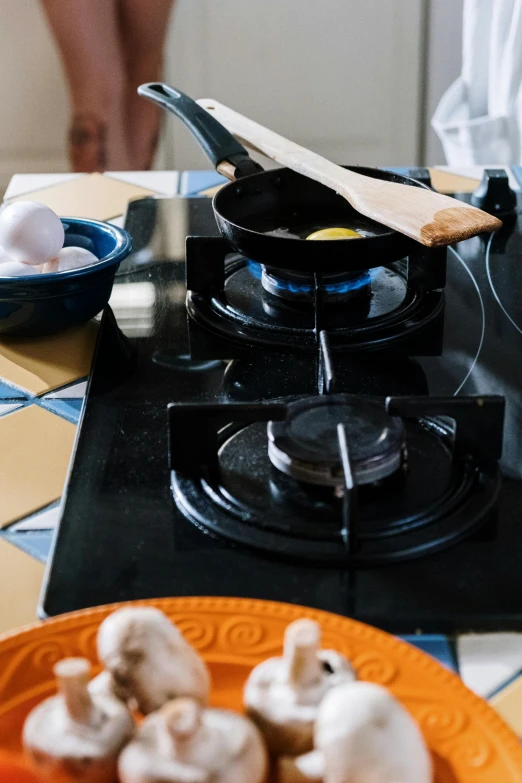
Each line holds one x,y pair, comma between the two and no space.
340,76
371,112
444,60
33,97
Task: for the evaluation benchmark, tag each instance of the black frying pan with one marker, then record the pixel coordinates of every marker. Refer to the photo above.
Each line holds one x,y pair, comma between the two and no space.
267,215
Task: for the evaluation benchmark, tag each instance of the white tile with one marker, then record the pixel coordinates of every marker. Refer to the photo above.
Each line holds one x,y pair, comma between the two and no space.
164,182
487,661
43,520
74,392
25,183
5,407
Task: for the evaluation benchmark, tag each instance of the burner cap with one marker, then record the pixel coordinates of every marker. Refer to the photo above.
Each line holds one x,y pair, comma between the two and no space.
305,444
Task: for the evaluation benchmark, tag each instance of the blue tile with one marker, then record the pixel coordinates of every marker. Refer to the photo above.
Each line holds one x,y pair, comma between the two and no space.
441,647
193,182
35,543
67,409
11,392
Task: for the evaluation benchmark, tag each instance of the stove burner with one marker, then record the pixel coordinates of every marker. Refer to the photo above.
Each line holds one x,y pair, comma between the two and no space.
224,481
305,445
399,306
294,286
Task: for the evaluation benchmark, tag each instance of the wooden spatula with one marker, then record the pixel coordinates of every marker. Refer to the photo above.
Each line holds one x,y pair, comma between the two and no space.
430,218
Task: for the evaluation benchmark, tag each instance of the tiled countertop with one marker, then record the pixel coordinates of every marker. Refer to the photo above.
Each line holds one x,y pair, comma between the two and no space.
39,385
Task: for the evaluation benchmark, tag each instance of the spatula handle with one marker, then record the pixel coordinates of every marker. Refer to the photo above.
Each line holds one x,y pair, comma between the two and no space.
276,147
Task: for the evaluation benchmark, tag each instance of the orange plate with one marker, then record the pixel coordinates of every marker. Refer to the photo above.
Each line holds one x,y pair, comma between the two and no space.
469,741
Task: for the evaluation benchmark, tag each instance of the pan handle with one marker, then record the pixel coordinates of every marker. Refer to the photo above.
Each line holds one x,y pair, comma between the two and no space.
229,157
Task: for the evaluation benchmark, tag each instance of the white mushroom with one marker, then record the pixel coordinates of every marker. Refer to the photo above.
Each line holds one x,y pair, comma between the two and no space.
184,743
149,660
282,695
74,735
363,735
308,768
103,686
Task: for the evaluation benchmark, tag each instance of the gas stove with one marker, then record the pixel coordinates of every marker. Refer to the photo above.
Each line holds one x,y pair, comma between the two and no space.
347,441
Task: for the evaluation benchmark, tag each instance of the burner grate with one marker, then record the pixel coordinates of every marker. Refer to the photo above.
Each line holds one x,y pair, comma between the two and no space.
401,308
224,483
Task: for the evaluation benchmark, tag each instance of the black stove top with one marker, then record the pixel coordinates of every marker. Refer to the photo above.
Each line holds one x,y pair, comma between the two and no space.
355,467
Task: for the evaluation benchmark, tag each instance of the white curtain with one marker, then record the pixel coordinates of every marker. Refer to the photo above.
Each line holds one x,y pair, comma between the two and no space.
479,118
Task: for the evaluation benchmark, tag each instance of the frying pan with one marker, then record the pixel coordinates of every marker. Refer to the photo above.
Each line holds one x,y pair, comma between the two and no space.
267,215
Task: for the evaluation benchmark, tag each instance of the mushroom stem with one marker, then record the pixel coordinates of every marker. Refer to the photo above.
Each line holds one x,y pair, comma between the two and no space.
183,721
302,640
72,675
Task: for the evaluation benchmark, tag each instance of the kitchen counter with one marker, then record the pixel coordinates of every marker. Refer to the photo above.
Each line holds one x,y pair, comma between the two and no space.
42,384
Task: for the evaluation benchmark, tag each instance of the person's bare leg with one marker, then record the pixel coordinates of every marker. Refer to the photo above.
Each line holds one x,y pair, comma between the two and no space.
88,36
143,27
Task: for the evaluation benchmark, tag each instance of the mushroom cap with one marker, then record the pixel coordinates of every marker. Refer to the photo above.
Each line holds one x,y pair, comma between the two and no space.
367,736
285,714
103,687
50,732
225,748
308,768
149,660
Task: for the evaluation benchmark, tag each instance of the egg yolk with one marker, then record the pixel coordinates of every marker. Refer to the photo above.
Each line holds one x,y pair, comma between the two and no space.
335,233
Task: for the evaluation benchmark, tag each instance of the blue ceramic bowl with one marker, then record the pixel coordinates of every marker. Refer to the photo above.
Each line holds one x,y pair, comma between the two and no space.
37,305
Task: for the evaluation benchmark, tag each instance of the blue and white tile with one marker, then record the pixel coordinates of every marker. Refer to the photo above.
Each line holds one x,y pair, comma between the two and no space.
488,662
193,182
45,519
165,183
67,409
8,392
8,407
34,543
75,391
517,173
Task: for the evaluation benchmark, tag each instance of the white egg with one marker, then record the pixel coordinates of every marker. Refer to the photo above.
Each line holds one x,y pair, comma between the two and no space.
30,232
16,269
70,258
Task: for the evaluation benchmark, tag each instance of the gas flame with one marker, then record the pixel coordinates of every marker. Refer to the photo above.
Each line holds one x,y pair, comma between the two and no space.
338,288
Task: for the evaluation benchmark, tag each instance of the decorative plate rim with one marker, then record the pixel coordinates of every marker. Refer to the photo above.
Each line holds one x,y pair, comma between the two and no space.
288,612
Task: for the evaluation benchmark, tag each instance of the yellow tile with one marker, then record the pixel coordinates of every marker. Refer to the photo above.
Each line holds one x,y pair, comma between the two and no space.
46,363
446,182
94,196
34,458
20,581
508,703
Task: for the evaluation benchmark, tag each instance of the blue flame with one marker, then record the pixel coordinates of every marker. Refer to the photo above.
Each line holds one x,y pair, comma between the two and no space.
344,287
255,269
